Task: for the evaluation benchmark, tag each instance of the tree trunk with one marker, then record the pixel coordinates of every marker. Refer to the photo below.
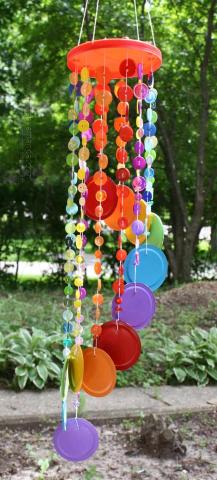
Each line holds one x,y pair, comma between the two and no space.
214,239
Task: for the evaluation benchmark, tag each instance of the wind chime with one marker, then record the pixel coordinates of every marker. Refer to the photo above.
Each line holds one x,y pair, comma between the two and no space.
101,72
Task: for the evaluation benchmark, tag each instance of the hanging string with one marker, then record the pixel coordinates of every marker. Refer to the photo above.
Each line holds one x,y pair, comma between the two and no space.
82,23
148,10
95,20
136,17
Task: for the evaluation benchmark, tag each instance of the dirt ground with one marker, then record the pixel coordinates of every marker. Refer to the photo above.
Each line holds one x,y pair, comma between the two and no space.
24,455
195,294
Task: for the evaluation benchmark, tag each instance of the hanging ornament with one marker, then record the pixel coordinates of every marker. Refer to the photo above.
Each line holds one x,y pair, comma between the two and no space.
123,203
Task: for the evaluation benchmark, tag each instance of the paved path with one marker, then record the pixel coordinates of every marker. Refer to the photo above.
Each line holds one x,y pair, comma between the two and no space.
32,407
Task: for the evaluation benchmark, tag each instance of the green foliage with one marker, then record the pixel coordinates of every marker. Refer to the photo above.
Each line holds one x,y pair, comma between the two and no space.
192,358
91,474
33,358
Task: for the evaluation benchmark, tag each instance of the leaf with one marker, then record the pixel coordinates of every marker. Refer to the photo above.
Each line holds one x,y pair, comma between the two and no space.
42,371
212,373
25,335
180,374
22,381
52,367
210,362
38,382
20,371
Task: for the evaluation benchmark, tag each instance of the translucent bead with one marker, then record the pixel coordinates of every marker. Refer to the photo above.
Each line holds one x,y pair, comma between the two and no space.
81,227
96,330
86,109
123,222
70,228
69,254
139,122
82,201
99,211
78,282
72,190
68,267
97,268
82,188
72,115
100,178
149,172
98,299
71,159
84,153
101,195
151,97
151,115
83,125
68,290
148,144
77,303
66,352
79,259
67,315
154,141
99,241
79,242
73,78
74,143
79,340
86,89
81,174
73,129
84,74
67,342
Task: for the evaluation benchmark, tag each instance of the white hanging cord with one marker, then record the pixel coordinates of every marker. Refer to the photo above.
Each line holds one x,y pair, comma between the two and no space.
136,17
148,10
82,23
95,20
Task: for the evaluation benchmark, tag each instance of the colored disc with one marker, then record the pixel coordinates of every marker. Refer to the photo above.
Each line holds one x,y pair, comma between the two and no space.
156,231
121,342
78,442
124,208
76,368
129,233
138,305
99,372
152,268
109,204
111,52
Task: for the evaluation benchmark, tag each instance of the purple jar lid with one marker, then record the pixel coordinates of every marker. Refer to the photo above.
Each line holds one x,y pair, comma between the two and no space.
138,306
78,442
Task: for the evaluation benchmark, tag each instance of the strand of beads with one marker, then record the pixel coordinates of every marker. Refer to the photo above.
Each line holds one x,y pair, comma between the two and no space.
125,134
71,210
138,228
103,99
150,142
85,118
